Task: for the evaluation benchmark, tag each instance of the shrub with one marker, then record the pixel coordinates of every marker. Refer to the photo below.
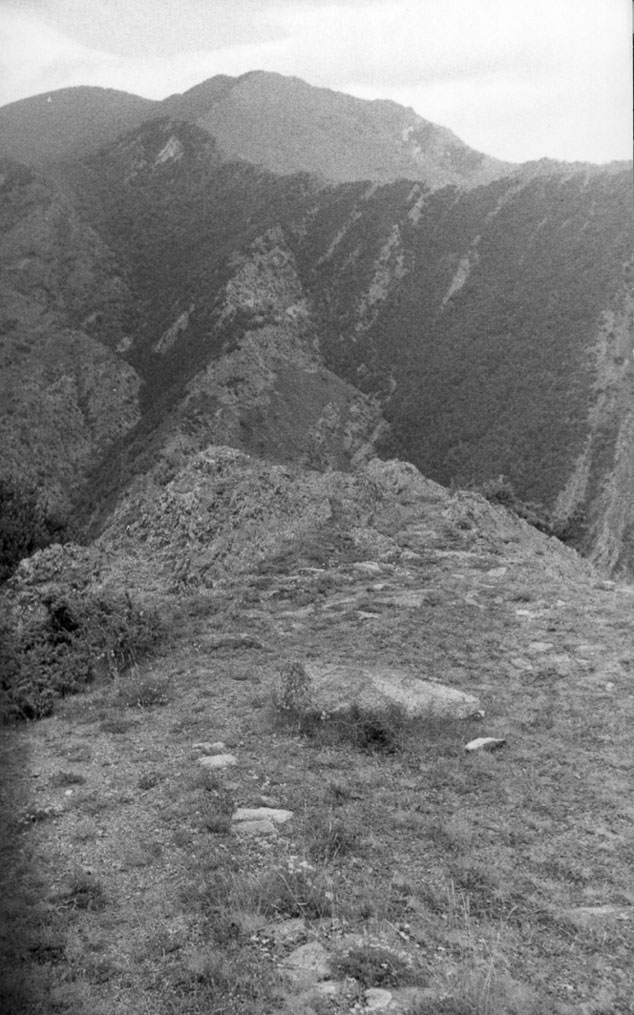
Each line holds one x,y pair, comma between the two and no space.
144,692
501,491
83,892
376,966
59,648
25,526
329,837
382,729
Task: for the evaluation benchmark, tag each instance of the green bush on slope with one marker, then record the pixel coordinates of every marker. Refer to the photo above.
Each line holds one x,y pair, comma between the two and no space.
25,526
66,644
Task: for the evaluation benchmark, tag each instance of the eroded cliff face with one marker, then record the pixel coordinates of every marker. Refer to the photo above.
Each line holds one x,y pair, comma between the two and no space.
600,490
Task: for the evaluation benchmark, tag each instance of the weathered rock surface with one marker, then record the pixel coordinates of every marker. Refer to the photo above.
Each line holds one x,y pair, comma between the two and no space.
307,964
275,814
218,761
334,688
484,744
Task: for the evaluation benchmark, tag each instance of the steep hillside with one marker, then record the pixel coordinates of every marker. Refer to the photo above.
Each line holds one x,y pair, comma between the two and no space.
496,327
278,314
65,396
280,123
152,305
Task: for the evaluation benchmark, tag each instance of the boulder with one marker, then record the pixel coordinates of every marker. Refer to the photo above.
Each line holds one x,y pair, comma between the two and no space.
333,689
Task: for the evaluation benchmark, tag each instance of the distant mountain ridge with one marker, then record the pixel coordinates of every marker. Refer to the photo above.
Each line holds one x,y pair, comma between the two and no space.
281,123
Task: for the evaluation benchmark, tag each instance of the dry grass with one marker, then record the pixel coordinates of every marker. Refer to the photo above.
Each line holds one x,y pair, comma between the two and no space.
127,889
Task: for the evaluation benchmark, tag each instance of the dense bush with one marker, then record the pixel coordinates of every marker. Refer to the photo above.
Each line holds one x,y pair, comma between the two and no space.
25,526
65,644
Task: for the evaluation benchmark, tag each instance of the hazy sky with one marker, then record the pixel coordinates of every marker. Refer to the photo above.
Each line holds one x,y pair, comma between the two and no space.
519,79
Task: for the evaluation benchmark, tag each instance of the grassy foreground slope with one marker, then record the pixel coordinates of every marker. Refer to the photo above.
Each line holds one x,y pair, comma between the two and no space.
460,883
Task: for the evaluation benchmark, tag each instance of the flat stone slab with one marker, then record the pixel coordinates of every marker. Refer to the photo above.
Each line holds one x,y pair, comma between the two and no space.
335,688
407,600
275,814
218,761
585,916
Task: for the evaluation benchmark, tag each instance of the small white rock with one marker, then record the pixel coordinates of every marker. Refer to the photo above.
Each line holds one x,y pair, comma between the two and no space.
484,744
275,814
377,999
218,761
539,647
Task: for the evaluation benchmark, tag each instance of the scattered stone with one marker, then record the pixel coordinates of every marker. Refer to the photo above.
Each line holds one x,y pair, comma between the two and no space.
276,815
218,761
287,931
308,964
585,916
367,567
377,999
605,586
521,664
540,647
497,572
485,744
409,600
586,651
332,689
561,664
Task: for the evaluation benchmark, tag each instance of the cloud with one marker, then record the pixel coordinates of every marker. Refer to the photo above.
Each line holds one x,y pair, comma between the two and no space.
36,57
516,79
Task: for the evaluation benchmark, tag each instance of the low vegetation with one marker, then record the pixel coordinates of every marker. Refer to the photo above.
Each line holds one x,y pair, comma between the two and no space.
389,858
68,640
25,525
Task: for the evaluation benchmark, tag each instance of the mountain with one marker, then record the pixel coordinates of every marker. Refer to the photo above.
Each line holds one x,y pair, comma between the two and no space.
160,296
68,122
280,123
209,367
287,125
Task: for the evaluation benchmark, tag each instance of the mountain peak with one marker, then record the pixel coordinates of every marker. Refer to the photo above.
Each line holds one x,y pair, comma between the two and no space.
281,123
287,125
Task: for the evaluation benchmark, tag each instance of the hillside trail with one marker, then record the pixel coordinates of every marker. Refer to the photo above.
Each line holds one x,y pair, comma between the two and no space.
536,839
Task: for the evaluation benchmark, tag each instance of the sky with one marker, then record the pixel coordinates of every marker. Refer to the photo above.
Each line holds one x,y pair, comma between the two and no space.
517,79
